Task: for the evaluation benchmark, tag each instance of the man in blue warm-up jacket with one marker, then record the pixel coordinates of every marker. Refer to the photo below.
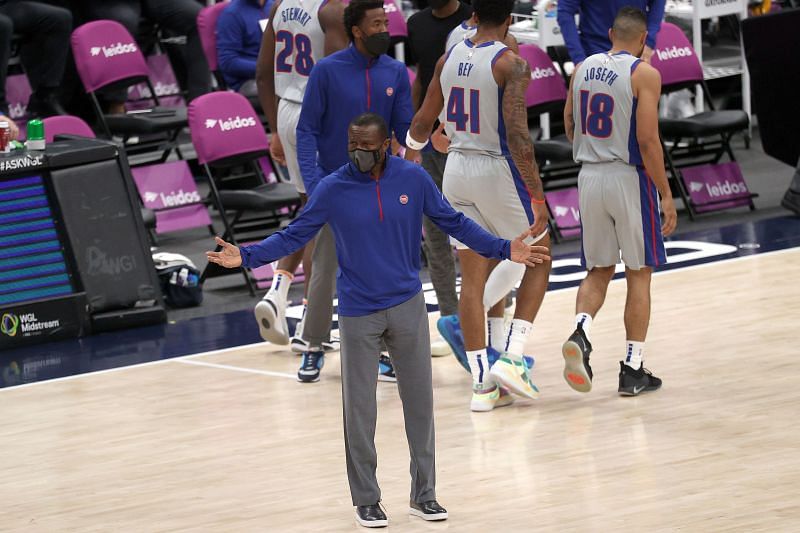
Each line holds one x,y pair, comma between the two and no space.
374,205
596,17
238,41
361,78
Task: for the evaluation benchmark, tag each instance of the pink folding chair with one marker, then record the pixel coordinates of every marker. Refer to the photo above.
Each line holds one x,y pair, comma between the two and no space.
207,30
107,57
398,30
711,131
226,133
65,125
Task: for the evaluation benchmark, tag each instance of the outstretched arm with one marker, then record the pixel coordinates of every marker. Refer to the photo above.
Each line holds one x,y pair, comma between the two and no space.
470,233
423,121
567,9
514,74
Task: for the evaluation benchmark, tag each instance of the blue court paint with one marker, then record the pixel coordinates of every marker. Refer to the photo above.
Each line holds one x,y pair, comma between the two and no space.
134,346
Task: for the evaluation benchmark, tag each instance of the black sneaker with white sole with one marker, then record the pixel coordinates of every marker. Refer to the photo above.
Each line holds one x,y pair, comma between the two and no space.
310,367
371,516
576,352
430,510
633,382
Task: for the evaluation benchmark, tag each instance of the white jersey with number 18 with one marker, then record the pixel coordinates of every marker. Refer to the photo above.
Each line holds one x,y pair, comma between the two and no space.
604,110
299,44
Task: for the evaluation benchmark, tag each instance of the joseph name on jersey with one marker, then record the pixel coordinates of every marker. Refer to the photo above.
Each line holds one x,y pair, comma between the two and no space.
605,110
472,100
299,44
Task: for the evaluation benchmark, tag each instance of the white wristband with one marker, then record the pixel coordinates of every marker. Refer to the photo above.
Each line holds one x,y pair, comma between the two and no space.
414,145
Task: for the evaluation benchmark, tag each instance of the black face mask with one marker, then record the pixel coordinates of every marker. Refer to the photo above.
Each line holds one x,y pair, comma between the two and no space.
365,160
377,43
438,4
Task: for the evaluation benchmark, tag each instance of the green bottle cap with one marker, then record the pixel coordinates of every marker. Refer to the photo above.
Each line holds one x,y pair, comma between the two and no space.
35,130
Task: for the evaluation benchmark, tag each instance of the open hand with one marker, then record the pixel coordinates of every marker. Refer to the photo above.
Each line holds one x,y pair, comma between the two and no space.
229,256
439,140
541,216
670,219
276,149
528,254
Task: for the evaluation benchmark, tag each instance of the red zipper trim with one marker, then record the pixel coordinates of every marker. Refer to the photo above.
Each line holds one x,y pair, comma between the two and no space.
380,205
366,75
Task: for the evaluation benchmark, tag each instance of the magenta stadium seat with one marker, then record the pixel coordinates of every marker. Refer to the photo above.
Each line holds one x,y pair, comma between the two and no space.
226,132
711,131
207,30
107,57
65,125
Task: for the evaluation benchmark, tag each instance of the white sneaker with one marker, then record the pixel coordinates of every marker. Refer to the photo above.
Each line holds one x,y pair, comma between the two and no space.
484,397
512,373
439,347
505,398
271,318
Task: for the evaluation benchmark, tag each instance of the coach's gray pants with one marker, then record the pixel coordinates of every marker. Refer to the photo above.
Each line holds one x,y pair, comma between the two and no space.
441,263
319,313
404,328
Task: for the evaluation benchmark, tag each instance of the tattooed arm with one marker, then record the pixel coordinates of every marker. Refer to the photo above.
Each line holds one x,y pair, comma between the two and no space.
513,74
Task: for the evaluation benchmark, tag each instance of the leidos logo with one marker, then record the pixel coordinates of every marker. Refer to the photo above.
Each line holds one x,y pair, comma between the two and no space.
113,50
538,73
561,211
173,199
724,189
9,324
674,53
695,186
231,123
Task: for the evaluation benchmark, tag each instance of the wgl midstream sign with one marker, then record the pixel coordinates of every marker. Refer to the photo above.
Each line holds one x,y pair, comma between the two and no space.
11,324
717,8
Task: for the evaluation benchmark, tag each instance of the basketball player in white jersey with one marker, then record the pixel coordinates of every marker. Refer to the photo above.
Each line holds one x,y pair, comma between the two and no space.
299,33
611,116
468,28
492,177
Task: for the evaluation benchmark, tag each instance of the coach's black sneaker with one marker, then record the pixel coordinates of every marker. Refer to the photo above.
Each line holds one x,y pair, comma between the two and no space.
311,366
632,382
371,516
576,353
430,510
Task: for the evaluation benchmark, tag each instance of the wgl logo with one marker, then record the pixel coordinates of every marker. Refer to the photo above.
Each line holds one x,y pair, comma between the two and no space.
9,324
674,53
539,73
231,123
113,50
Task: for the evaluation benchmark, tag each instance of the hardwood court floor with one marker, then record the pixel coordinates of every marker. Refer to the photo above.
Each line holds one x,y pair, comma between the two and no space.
184,446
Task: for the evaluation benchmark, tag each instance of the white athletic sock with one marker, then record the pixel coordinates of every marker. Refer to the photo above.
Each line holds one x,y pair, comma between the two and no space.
479,365
281,283
584,320
496,332
502,280
517,336
634,354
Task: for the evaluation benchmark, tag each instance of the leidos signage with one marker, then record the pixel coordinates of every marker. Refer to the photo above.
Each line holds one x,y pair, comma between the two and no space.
113,49
674,52
539,73
231,123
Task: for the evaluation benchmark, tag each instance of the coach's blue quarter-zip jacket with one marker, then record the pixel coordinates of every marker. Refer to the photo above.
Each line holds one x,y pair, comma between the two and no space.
341,87
377,225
